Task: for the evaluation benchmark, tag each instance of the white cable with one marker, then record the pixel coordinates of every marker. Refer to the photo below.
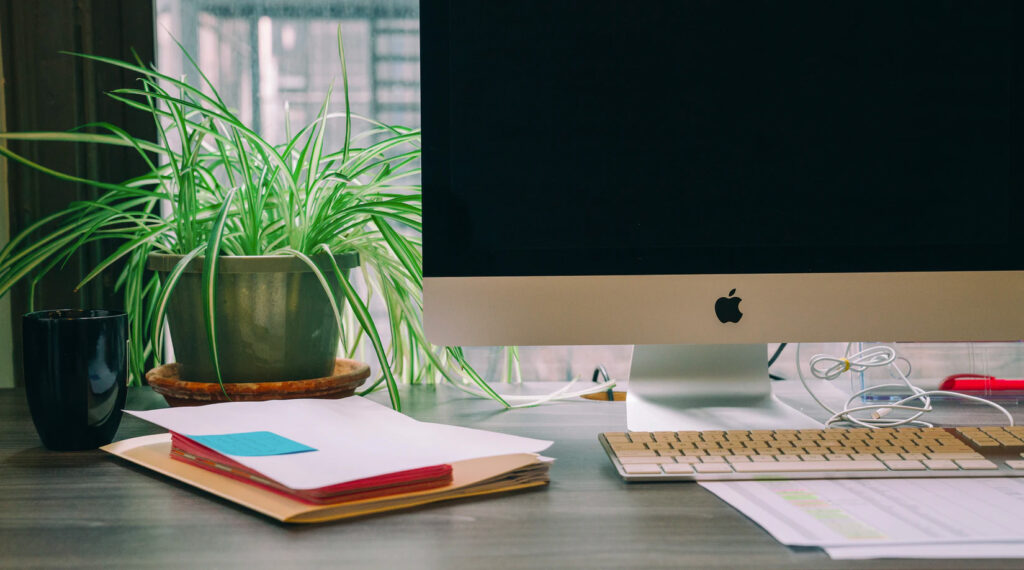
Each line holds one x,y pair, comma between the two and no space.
828,367
521,401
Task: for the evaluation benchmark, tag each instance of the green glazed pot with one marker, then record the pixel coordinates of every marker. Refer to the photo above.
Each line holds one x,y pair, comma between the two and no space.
274,320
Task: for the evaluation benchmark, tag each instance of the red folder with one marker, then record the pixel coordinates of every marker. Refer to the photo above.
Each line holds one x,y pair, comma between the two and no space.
189,451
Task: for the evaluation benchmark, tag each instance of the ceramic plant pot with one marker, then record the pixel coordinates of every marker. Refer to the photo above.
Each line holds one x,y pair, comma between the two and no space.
274,320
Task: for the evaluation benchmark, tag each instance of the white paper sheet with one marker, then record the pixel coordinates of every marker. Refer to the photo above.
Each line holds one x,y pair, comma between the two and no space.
355,438
881,512
957,550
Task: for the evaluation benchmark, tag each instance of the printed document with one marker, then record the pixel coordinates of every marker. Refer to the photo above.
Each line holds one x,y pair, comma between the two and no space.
957,515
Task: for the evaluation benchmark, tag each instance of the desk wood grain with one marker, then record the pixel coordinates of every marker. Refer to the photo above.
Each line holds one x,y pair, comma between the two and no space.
88,509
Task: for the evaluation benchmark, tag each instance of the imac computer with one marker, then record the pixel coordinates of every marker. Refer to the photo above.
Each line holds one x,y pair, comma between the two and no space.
699,178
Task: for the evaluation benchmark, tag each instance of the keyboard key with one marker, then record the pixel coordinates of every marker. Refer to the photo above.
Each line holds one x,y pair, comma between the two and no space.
618,446
642,469
808,466
905,465
976,464
914,456
677,469
1015,464
637,453
956,455
940,465
716,467
645,460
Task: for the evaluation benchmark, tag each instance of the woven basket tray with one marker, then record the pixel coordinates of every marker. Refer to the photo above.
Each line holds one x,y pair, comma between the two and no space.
348,375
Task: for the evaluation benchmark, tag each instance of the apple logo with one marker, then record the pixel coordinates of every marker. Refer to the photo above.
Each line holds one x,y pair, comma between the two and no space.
728,308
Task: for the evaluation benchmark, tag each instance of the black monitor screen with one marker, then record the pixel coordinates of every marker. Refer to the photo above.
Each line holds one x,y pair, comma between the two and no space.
687,136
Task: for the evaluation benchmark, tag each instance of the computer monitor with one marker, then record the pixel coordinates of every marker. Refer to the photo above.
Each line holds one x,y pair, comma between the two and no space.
610,172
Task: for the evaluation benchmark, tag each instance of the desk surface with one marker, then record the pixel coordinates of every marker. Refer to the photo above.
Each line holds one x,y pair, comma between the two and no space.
89,509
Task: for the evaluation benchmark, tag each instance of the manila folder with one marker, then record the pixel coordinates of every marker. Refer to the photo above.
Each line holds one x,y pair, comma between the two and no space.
469,478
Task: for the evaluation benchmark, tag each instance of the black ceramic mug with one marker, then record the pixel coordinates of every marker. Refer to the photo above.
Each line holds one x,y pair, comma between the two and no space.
76,374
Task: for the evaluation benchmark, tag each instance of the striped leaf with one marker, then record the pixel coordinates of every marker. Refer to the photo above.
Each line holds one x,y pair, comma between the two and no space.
210,284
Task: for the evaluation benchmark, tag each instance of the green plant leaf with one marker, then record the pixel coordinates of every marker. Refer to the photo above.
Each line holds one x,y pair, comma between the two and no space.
210,284
348,107
402,250
460,357
370,328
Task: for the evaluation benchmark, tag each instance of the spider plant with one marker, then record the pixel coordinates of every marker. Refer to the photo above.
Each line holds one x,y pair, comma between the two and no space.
214,187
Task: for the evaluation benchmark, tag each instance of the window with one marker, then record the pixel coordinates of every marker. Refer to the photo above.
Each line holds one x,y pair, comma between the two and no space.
275,60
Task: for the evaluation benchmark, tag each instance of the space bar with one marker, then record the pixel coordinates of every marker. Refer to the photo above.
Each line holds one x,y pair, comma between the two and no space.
774,466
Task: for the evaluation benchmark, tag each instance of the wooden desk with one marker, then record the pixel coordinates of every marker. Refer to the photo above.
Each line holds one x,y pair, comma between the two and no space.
89,509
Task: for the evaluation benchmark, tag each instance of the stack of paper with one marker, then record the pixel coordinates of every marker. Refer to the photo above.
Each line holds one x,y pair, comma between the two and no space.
887,518
347,457
191,451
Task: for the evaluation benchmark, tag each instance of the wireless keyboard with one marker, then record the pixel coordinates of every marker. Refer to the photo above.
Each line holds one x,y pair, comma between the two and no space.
832,453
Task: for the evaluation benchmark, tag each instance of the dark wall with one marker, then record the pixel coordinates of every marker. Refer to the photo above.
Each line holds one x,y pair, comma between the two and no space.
47,90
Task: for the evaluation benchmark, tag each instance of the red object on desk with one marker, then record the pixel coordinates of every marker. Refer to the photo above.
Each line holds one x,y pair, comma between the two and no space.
979,383
189,451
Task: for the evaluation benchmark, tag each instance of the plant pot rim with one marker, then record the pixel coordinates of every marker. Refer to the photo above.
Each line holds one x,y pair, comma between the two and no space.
165,262
345,378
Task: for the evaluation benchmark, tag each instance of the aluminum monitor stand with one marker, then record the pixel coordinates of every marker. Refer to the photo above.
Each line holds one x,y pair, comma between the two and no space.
705,387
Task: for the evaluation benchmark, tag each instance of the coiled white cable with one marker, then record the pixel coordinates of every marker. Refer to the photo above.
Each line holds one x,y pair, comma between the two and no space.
829,368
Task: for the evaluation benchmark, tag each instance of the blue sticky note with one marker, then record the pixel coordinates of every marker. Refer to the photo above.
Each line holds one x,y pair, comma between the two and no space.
251,444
